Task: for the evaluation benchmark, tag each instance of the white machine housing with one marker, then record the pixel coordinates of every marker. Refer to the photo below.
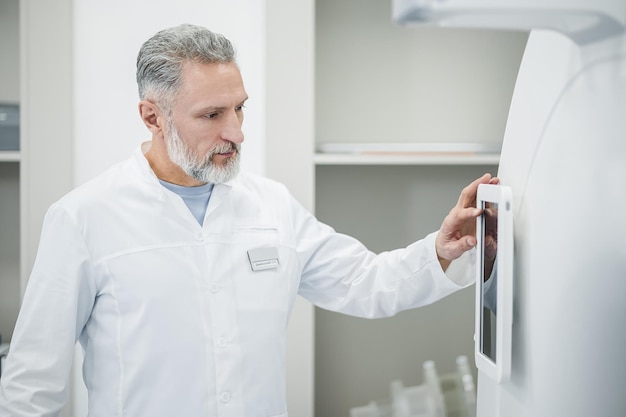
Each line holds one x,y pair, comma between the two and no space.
582,20
564,158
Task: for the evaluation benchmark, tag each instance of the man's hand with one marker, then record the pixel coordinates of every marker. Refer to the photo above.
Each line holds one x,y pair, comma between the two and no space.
458,230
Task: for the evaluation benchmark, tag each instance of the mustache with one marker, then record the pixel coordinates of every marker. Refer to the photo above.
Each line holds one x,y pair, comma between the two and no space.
224,148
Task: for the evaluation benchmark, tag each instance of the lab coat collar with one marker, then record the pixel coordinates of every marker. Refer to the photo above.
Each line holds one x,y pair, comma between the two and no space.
220,191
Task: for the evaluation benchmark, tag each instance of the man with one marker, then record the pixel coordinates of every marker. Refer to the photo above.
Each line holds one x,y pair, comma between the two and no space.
177,273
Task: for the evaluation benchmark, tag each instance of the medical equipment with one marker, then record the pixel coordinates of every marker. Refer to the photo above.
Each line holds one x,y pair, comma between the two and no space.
564,158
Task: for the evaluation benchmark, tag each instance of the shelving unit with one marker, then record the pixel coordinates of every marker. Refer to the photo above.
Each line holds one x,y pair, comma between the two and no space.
9,242
9,172
375,80
9,156
405,159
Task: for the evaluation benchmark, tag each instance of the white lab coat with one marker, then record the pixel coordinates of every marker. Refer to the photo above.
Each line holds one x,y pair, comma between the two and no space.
172,318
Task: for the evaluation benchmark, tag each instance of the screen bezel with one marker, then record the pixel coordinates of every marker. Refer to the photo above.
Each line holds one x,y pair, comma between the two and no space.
498,365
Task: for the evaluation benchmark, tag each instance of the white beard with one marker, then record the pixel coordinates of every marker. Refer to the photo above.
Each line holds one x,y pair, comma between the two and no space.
202,169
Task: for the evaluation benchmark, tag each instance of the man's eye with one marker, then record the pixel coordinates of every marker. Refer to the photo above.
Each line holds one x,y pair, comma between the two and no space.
211,115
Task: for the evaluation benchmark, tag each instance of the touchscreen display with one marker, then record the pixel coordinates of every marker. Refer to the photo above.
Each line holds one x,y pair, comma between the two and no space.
489,282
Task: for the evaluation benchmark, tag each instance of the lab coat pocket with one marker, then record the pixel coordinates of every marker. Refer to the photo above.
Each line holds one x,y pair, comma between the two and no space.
264,271
263,282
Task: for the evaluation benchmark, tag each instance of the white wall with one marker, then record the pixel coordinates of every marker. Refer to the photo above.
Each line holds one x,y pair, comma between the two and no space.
289,156
378,81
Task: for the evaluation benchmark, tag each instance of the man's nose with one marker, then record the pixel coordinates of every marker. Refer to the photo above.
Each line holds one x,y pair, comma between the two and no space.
231,131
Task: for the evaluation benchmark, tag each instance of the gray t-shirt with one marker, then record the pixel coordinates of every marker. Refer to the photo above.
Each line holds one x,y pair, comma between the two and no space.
196,198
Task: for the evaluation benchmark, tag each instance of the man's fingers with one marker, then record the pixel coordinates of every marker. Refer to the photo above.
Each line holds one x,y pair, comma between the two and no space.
459,222
464,215
468,194
456,234
456,248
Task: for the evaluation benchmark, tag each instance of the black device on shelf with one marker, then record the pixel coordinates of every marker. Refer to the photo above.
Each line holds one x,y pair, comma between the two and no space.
9,127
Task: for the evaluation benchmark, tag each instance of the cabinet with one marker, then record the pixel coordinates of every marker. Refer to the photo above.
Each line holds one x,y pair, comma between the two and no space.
9,242
37,175
376,82
9,174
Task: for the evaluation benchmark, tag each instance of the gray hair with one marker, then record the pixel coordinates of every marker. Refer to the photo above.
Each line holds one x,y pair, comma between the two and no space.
161,58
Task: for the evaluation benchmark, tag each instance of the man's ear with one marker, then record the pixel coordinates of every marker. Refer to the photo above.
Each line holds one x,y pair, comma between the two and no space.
151,116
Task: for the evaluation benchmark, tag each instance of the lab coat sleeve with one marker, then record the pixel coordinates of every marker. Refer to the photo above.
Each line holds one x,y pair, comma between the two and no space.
57,304
463,269
341,274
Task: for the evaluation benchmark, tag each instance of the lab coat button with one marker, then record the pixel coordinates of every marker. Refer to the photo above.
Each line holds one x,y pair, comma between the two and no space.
222,342
225,397
215,288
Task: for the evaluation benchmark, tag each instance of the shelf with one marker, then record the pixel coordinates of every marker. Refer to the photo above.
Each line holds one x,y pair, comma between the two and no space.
439,158
9,156
407,153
